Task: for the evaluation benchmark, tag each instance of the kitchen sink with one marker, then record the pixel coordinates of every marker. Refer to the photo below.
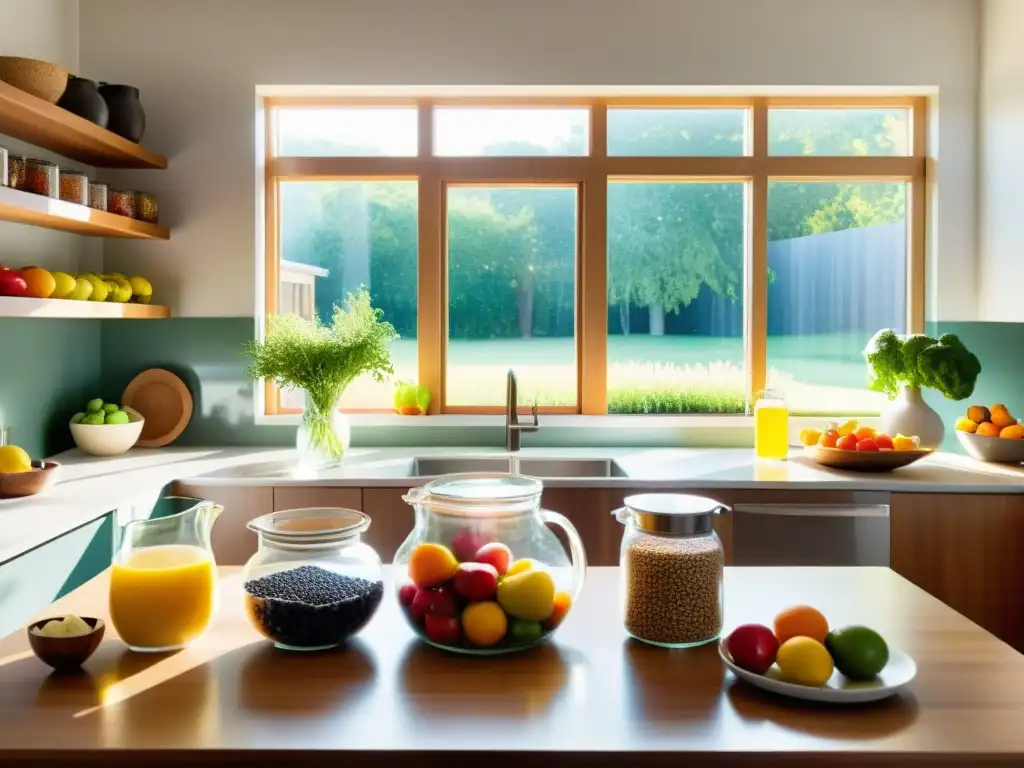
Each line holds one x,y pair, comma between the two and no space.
430,467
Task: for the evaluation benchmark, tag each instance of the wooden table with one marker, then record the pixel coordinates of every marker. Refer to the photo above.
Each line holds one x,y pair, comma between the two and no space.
590,697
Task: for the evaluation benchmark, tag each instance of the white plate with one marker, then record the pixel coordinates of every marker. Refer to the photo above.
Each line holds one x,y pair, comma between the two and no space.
900,670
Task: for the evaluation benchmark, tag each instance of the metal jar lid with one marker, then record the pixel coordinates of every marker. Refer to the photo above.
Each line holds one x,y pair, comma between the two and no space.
675,514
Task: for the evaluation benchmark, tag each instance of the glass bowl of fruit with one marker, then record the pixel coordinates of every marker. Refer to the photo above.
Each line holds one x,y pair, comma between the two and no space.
481,572
106,429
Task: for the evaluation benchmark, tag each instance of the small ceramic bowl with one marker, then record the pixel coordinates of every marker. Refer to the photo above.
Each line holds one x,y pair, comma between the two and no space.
65,653
995,449
108,439
41,478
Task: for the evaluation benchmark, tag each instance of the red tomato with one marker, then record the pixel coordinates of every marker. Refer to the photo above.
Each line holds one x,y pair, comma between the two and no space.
12,284
753,647
847,443
867,444
883,441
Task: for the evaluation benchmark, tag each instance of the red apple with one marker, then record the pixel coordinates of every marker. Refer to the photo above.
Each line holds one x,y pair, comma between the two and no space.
443,602
753,647
443,629
466,544
476,581
406,594
12,284
420,605
495,554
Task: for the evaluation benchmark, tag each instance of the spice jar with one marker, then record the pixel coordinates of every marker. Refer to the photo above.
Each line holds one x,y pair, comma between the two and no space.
672,567
98,196
16,171
42,178
74,186
313,583
121,202
146,207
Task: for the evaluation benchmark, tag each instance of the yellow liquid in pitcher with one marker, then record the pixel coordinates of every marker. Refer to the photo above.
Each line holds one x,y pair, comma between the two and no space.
771,430
163,596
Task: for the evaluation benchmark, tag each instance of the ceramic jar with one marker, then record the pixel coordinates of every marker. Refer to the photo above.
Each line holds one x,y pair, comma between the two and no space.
82,97
127,117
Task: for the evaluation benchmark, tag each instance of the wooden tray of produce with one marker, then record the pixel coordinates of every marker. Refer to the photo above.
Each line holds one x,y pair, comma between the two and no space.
864,461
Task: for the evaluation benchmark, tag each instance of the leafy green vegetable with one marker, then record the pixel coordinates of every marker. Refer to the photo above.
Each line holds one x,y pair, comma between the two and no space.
920,361
324,360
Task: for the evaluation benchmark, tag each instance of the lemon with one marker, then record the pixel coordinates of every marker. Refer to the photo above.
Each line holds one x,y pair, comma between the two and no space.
14,459
804,661
848,428
64,285
142,289
810,436
82,290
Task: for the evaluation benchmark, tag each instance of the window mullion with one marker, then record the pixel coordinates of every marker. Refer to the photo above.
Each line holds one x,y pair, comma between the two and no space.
756,295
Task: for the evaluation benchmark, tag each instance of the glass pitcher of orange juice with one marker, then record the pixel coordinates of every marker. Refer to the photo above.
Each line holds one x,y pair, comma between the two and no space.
163,583
771,426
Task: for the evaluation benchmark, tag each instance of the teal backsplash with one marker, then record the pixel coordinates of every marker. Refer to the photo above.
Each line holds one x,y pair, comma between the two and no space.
1000,348
48,370
49,366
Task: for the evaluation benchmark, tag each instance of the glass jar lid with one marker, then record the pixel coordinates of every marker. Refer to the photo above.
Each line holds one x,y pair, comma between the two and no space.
478,494
311,526
677,514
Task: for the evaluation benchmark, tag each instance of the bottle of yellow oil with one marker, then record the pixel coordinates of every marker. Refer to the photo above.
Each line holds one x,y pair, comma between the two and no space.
771,426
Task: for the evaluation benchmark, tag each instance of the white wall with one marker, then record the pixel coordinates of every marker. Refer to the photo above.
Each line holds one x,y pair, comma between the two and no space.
41,29
198,63
1001,162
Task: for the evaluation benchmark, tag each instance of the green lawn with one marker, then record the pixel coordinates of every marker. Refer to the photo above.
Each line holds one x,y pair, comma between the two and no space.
670,374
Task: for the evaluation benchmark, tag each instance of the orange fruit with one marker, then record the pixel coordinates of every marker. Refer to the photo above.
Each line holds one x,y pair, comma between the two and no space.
863,433
978,414
41,284
1001,416
484,623
563,602
988,429
1012,432
431,565
828,439
801,621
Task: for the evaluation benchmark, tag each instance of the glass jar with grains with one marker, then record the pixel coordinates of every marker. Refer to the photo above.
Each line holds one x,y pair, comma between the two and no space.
672,567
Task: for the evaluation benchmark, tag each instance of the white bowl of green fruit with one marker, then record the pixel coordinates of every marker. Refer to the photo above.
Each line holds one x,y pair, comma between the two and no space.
106,429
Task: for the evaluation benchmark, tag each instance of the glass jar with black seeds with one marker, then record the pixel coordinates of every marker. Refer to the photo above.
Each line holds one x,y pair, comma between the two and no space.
312,583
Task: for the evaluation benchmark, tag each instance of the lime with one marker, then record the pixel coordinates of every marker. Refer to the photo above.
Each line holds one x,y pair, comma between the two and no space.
859,653
77,418
117,417
94,405
95,418
804,661
525,631
111,407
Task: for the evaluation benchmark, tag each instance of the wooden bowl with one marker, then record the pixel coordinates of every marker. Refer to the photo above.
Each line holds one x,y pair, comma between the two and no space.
864,461
41,79
995,449
65,653
41,478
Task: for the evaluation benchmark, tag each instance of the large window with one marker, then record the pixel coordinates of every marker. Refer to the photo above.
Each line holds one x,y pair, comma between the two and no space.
623,256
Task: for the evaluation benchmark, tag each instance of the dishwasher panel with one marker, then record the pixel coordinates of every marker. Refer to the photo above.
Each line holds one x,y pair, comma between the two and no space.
811,534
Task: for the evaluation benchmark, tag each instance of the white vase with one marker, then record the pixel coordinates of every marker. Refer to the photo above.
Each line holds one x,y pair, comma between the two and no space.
910,415
322,438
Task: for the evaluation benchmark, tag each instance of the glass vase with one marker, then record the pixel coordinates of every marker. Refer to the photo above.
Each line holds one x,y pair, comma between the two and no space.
323,437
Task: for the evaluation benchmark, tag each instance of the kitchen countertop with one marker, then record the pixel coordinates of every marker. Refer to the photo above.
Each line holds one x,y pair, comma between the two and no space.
90,486
590,696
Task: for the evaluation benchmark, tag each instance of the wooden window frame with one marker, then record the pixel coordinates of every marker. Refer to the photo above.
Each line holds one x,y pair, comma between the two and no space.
591,174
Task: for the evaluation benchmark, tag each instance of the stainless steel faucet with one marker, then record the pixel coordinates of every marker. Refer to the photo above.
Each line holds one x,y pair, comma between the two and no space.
513,429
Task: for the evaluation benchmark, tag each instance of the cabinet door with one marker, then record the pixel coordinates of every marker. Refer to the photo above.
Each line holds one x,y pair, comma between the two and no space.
30,582
392,520
233,543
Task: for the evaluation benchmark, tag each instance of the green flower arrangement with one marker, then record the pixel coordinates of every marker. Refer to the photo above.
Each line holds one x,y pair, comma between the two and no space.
323,360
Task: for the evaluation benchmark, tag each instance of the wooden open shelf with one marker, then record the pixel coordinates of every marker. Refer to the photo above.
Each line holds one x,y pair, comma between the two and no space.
39,211
16,306
46,125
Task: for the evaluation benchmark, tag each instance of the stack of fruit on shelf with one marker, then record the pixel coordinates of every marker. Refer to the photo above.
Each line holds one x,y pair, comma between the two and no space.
996,421
851,436
38,283
805,651
489,602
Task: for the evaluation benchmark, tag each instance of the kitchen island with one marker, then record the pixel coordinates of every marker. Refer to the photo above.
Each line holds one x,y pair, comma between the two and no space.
590,696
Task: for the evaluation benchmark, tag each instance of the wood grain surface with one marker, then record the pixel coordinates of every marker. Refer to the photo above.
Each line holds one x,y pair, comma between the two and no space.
589,697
